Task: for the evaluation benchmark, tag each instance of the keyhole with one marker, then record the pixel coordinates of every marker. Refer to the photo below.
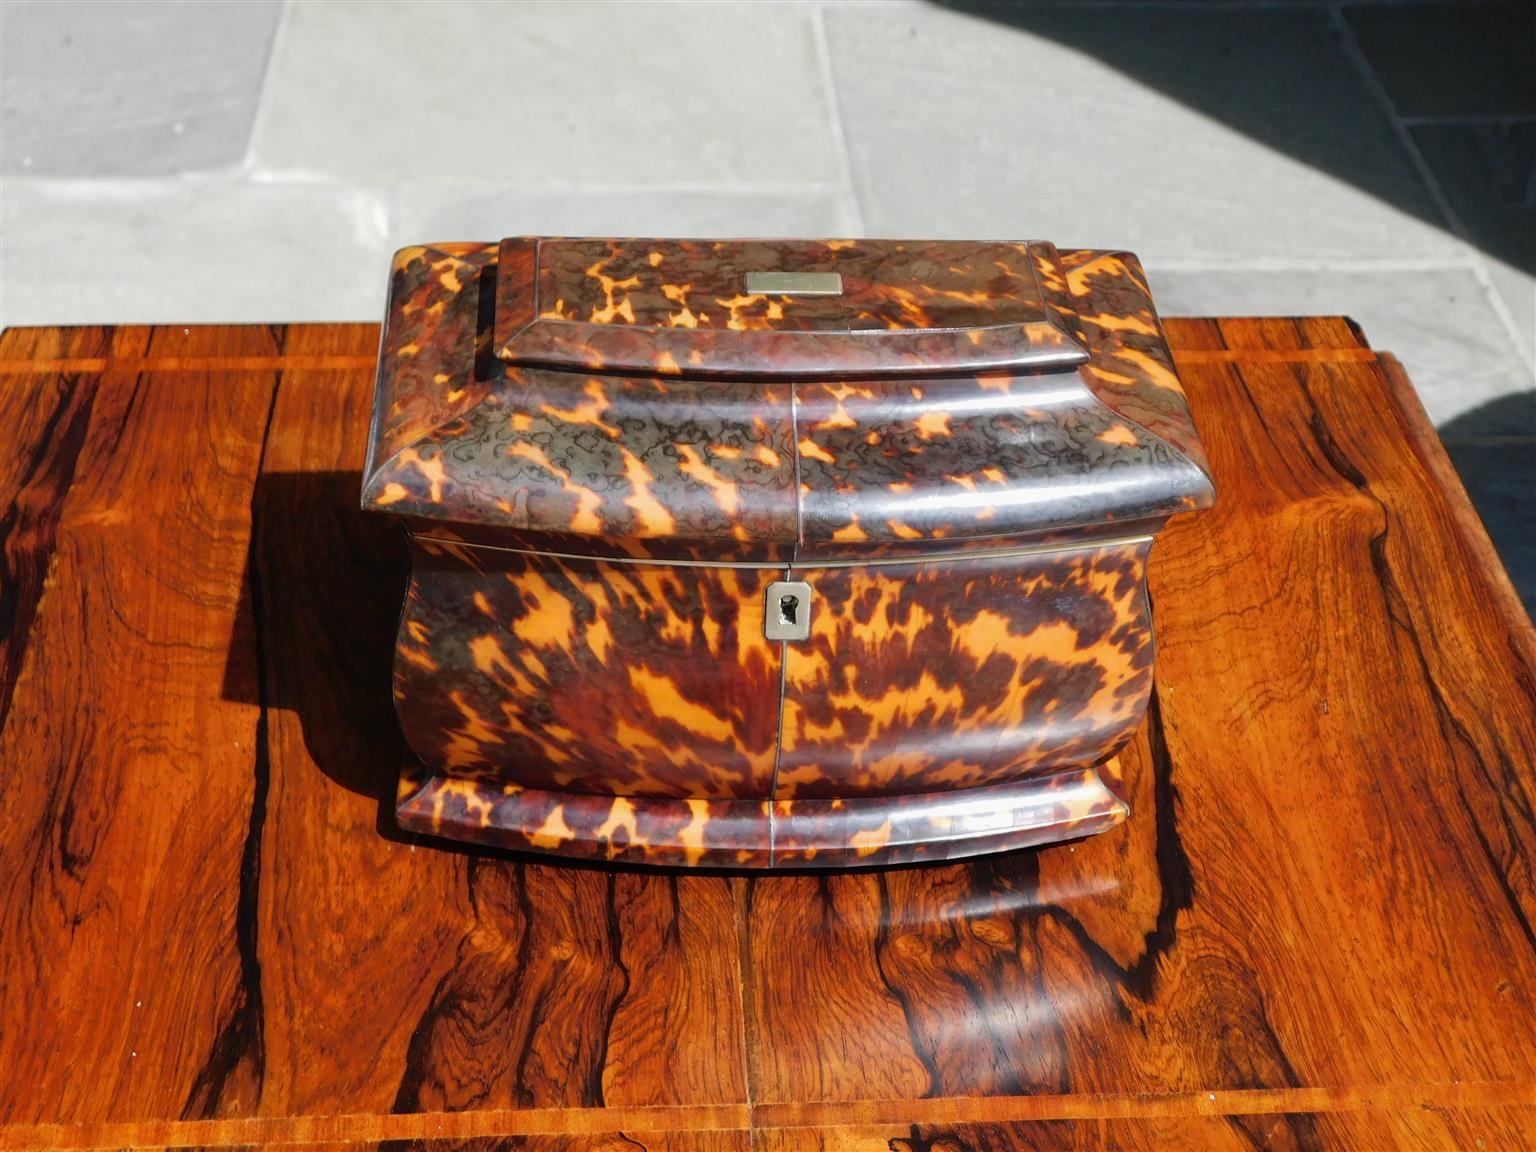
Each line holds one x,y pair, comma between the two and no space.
787,607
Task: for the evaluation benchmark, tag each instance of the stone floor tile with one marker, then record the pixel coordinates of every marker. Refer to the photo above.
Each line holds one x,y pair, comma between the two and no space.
1451,59
1182,132
134,88
1488,174
203,251
549,93
481,212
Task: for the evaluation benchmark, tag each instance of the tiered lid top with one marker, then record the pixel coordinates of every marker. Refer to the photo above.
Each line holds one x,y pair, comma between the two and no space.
764,309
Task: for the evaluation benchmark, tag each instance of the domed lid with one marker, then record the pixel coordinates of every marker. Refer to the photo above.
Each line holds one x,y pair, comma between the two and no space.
767,401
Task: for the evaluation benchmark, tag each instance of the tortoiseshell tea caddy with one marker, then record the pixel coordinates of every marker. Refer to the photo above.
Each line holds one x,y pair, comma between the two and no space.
773,553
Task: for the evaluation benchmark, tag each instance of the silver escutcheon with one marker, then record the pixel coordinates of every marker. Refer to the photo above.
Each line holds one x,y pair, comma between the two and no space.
788,614
794,284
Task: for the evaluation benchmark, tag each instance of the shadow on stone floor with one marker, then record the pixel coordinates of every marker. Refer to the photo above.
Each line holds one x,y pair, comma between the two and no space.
1255,70
1500,476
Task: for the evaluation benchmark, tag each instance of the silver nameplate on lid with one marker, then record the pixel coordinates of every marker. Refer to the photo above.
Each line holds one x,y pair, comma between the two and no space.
794,284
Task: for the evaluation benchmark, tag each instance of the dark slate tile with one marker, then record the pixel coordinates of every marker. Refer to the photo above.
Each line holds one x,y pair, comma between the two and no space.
1451,59
1488,174
1501,480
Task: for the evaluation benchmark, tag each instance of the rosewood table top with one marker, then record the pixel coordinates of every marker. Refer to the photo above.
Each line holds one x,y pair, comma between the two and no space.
1317,929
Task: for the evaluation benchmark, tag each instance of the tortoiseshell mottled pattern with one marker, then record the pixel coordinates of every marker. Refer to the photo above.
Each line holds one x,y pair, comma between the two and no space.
539,398
1103,300
762,834
952,284
894,466
430,336
923,676
640,679
536,688
819,833
587,463
611,458
884,466
682,307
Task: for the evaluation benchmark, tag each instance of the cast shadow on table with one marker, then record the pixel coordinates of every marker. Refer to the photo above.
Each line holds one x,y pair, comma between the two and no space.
314,634
314,639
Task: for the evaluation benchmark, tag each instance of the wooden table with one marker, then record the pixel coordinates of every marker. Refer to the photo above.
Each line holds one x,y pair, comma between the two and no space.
1315,931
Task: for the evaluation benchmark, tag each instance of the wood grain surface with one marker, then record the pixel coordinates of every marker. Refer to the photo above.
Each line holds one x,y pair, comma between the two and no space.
1315,930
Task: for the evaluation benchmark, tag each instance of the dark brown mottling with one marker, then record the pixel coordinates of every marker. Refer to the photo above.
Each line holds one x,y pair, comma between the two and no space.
608,449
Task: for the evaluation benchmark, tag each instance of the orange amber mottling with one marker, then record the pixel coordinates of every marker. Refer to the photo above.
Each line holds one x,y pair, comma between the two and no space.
961,449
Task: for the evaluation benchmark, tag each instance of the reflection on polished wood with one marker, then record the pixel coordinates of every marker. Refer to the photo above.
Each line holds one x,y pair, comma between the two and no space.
1316,929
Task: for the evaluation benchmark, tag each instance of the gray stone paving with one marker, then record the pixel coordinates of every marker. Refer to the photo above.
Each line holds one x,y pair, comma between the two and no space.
259,160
